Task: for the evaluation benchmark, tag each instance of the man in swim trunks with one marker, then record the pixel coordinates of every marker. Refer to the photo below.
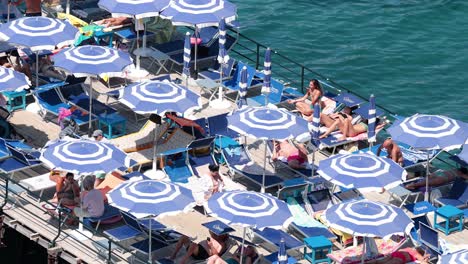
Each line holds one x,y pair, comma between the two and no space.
296,157
436,180
393,151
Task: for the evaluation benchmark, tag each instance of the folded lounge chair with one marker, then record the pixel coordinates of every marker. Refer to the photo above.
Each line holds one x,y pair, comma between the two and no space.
142,139
275,96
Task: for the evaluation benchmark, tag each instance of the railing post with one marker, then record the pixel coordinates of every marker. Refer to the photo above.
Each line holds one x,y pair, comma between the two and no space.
257,62
109,252
302,78
6,196
52,243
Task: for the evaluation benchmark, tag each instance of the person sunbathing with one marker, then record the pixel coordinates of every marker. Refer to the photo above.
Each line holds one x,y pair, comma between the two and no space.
46,68
213,245
314,93
114,21
347,129
405,255
436,180
393,151
296,157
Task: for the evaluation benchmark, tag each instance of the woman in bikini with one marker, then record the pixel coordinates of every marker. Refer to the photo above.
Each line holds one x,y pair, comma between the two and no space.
405,255
296,157
314,93
68,191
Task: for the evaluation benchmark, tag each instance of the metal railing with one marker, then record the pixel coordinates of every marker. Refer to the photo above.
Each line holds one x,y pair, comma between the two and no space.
285,69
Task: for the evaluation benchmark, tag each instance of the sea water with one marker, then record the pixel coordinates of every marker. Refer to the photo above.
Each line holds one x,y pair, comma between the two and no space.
412,54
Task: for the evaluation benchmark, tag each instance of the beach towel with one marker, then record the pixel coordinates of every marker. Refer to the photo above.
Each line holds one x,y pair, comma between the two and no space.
300,216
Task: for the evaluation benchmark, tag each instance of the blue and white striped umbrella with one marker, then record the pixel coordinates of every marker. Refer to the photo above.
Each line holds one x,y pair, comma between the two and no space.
91,60
242,101
187,58
430,132
134,8
11,80
371,135
282,255
158,97
368,219
199,13
145,198
249,209
39,33
223,57
266,88
267,123
363,171
83,156
459,257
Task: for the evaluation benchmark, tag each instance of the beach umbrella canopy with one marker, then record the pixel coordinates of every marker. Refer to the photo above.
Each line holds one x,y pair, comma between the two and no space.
430,132
267,123
199,13
91,60
242,101
368,219
158,97
249,209
144,198
459,257
134,8
83,156
11,80
187,51
463,155
371,135
39,33
363,171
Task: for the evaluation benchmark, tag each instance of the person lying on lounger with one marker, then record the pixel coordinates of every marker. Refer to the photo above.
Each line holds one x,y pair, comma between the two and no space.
438,180
314,93
114,21
213,245
296,157
393,151
346,127
404,255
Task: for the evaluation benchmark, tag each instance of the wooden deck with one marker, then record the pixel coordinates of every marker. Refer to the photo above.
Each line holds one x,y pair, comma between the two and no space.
30,219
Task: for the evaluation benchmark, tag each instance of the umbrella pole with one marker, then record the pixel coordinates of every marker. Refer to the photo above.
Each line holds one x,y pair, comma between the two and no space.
242,247
138,45
155,145
313,164
196,48
67,9
220,89
426,193
90,104
8,15
37,69
264,167
150,260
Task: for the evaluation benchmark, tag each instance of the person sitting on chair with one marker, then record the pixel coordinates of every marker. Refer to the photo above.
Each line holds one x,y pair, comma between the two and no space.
250,256
68,191
436,180
296,157
393,151
92,201
314,93
213,245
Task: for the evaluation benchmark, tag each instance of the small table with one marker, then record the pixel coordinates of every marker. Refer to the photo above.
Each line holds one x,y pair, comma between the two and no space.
16,100
320,247
453,219
101,34
420,208
112,125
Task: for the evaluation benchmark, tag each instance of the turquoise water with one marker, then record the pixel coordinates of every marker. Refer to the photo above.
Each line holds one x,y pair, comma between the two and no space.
412,54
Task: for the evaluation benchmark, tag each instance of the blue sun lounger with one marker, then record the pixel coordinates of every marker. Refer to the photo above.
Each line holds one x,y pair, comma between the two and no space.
275,96
176,165
18,161
273,237
201,153
233,84
110,212
213,74
414,232
429,239
129,230
237,158
457,195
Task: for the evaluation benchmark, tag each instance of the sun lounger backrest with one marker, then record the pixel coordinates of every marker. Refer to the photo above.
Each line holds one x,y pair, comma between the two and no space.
131,220
4,151
458,189
218,126
319,200
19,156
50,97
71,90
429,237
236,155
